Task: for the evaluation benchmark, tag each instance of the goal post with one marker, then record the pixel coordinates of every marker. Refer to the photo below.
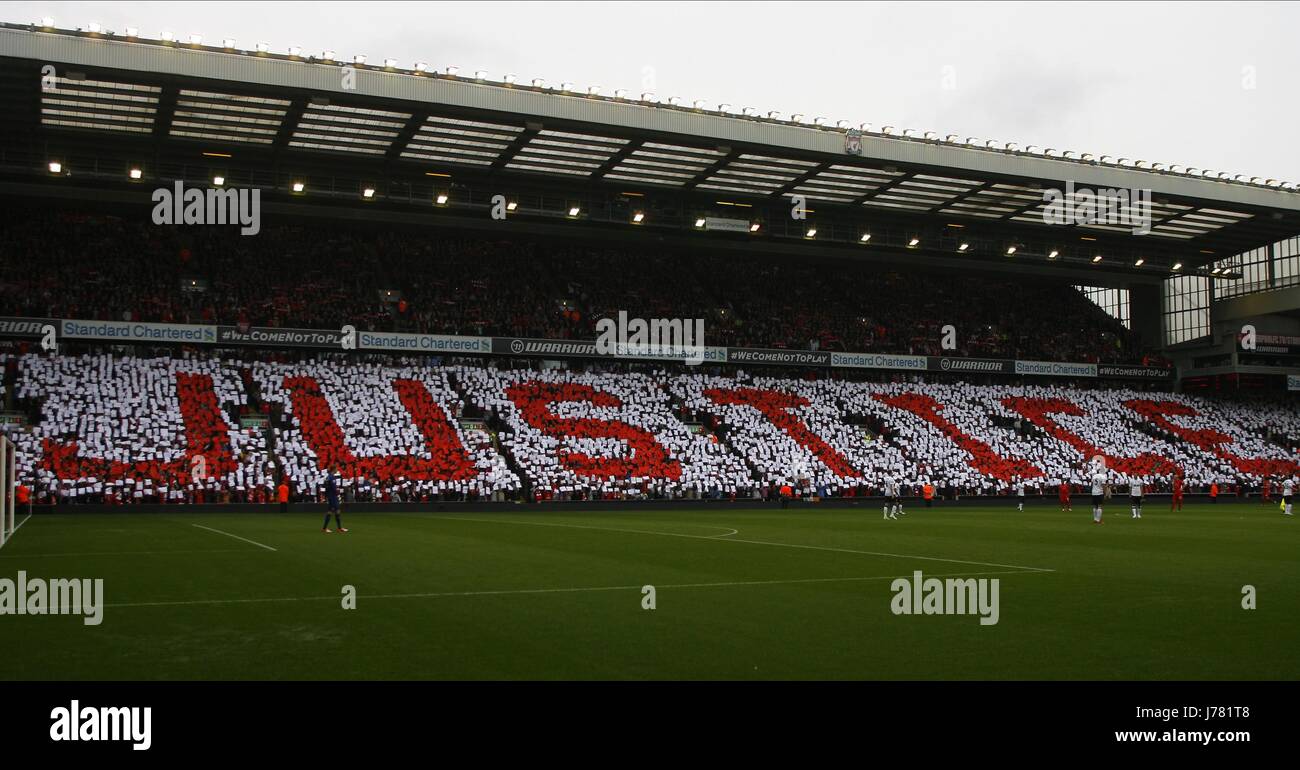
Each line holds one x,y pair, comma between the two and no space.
12,485
8,487
8,463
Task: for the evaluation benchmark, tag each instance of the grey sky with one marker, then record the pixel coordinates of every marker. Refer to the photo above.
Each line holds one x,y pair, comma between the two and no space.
1164,82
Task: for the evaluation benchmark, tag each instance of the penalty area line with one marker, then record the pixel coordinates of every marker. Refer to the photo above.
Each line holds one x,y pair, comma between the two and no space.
123,553
237,537
530,591
728,539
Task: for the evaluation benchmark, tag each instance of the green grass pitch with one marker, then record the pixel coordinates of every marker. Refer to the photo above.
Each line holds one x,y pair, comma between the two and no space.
740,594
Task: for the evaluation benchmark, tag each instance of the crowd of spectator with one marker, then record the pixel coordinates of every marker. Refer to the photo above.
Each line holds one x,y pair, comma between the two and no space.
169,428
60,264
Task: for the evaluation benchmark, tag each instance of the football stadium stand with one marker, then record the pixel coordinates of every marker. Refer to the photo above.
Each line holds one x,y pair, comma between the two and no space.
129,429
879,306
72,264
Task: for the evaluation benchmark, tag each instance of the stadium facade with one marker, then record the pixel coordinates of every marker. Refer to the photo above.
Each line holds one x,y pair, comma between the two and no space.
323,135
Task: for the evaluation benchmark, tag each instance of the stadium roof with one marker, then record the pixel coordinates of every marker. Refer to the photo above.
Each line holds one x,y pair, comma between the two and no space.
105,90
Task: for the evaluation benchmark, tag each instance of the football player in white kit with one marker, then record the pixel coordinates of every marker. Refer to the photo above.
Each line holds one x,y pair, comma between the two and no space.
1288,488
1098,492
1018,485
891,499
1135,498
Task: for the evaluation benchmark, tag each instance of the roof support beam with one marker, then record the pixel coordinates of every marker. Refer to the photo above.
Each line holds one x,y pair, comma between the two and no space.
407,133
531,130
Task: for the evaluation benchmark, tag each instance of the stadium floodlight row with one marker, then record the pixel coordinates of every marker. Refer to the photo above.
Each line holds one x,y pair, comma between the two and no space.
114,115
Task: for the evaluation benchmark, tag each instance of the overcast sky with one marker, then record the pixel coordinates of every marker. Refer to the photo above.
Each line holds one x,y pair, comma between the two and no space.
1202,84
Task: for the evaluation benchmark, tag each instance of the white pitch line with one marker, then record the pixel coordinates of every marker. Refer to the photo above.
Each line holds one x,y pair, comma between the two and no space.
751,542
603,529
15,531
237,537
526,591
123,553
